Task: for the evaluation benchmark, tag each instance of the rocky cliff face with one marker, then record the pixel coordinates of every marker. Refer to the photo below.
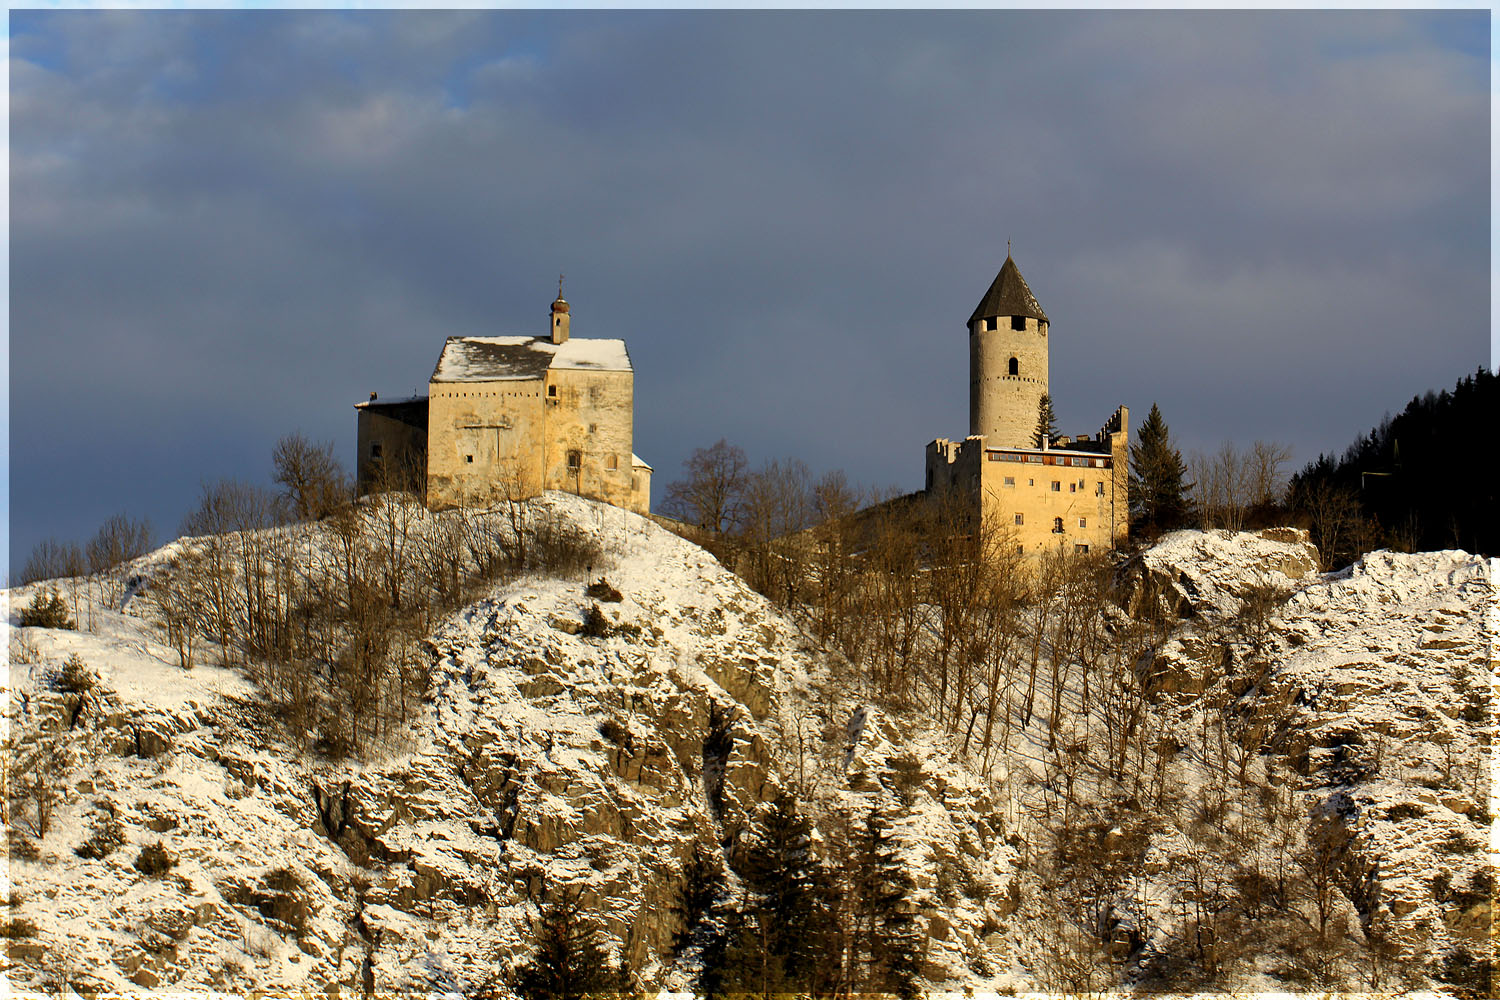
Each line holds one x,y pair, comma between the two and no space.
552,750
1370,687
560,747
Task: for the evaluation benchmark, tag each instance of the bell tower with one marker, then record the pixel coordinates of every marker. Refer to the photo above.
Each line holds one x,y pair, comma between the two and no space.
1007,361
559,324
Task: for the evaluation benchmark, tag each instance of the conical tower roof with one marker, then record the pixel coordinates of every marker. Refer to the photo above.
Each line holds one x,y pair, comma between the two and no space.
1008,296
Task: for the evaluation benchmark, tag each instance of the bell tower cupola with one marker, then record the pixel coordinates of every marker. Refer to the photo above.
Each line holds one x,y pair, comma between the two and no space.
559,323
1007,361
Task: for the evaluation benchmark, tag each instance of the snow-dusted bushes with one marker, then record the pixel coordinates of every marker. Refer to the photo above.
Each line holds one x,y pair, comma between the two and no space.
600,590
154,860
17,927
76,677
107,835
46,610
595,623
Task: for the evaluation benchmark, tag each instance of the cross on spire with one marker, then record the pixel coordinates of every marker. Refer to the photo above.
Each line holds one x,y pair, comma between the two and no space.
559,285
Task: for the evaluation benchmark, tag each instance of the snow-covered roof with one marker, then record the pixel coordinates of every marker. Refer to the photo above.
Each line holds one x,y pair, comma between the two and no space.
493,359
378,403
603,355
636,463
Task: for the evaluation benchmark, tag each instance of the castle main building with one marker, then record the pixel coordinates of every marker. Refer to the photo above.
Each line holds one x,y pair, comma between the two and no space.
1048,493
508,417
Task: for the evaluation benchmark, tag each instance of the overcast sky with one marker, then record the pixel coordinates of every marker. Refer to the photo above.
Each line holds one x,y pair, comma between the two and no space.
226,227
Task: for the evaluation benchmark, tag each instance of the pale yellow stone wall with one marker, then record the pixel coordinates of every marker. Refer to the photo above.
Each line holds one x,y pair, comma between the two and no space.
1051,506
483,441
640,489
1003,407
1018,496
588,433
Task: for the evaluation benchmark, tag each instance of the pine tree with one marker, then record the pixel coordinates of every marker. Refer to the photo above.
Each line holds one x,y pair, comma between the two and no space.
886,940
700,898
708,923
1046,423
569,960
1158,496
783,934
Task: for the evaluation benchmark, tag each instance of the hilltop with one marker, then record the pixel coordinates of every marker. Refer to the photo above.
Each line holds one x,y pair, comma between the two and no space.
563,739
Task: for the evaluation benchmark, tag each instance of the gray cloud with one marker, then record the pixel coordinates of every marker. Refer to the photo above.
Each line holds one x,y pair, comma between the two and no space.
227,226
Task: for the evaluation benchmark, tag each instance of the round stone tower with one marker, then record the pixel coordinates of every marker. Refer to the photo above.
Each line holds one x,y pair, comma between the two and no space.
1007,361
560,317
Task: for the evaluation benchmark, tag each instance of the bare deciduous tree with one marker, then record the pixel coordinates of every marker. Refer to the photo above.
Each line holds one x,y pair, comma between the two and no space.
119,539
711,494
314,480
179,604
777,506
52,560
1231,485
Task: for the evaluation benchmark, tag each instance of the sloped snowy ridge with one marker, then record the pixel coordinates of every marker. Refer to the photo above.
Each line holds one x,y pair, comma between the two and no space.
557,748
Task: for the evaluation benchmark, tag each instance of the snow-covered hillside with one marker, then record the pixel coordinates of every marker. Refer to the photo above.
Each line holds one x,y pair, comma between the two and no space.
547,754
542,757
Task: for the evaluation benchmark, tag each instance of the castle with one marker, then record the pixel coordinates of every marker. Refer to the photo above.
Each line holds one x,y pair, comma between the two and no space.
508,417
1044,492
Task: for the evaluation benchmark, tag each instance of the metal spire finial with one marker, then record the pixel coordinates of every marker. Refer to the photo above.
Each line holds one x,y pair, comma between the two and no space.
559,285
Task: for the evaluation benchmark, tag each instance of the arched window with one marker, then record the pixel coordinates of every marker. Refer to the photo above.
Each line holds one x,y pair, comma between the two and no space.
1015,367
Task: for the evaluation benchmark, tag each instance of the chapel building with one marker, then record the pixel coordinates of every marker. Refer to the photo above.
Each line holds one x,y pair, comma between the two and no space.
509,417
1044,493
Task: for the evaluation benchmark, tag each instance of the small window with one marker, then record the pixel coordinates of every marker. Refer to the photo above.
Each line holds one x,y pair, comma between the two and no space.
612,462
1083,522
375,450
593,428
575,459
635,483
1020,550
989,324
1081,548
1020,518
1098,489
469,459
1057,527
1056,486
1031,482
552,390
1018,322
1072,487
1010,480
1015,366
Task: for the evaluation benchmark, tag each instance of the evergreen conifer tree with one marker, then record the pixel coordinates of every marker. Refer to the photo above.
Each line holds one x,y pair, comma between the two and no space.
1158,496
569,961
1046,423
708,923
700,898
886,940
783,936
